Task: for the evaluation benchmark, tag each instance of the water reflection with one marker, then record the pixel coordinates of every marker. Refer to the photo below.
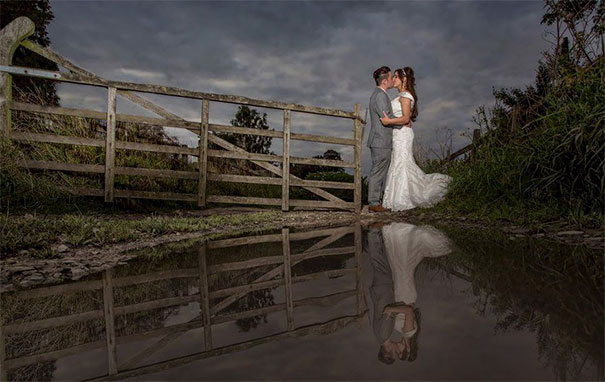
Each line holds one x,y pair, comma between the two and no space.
280,306
391,256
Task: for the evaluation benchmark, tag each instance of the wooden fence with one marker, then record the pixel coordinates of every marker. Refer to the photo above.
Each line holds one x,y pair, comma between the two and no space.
15,34
280,275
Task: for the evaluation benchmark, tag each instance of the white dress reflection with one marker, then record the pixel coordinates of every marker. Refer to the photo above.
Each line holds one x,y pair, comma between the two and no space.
395,251
406,246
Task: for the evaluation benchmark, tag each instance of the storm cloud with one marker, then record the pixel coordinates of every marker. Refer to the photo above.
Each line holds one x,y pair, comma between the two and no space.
313,53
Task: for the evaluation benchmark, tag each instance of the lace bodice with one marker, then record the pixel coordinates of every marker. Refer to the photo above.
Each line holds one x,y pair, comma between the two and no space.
396,105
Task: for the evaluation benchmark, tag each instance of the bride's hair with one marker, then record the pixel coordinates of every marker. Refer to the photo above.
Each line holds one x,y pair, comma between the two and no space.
410,85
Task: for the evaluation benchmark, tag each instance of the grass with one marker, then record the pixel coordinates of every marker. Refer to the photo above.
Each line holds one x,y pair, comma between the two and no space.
39,235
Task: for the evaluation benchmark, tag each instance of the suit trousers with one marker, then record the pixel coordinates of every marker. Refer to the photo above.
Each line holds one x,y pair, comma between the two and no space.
381,159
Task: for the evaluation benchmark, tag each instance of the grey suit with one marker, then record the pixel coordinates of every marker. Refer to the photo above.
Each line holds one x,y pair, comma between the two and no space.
380,142
378,283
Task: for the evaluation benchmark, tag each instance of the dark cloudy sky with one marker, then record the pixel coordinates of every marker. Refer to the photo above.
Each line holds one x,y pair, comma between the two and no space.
314,53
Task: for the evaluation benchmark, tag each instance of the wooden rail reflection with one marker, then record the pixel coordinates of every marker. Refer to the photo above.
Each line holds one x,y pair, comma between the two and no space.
278,272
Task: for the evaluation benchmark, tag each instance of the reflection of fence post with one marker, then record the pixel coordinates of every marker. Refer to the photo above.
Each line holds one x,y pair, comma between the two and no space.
205,297
203,155
110,330
10,38
285,236
285,185
357,159
3,373
110,144
358,285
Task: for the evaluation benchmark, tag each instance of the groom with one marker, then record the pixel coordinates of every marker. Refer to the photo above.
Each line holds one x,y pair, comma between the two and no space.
380,138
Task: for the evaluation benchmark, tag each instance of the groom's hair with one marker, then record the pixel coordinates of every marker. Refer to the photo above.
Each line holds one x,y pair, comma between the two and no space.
381,73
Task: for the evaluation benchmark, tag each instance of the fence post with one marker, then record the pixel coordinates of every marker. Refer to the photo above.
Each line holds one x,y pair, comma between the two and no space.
285,183
358,254
357,159
203,155
10,38
285,237
110,330
205,297
110,144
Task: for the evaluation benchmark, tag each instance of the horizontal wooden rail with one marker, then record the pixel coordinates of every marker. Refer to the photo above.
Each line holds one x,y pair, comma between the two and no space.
244,179
172,91
323,184
52,138
72,167
156,195
244,130
158,173
322,162
249,156
168,149
83,113
321,138
243,200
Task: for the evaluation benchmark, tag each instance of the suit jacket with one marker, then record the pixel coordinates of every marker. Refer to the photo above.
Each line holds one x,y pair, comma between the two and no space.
380,136
378,283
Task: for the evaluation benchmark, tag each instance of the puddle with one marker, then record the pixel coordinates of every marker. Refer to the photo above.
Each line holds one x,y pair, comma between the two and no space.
309,305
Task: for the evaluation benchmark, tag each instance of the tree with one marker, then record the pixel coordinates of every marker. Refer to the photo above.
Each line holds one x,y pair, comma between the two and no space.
303,170
41,14
246,117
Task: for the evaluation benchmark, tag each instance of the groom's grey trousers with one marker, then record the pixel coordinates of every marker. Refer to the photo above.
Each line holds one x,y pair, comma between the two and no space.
380,142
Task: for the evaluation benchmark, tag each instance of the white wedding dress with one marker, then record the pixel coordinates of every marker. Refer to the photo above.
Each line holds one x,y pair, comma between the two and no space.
406,246
407,186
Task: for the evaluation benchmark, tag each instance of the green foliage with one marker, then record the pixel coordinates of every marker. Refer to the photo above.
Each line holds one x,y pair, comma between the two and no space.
41,14
250,118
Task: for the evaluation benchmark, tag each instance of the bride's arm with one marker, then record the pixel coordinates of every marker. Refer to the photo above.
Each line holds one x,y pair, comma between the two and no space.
406,105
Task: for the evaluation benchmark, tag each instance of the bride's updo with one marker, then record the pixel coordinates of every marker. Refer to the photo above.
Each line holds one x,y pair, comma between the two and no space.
410,86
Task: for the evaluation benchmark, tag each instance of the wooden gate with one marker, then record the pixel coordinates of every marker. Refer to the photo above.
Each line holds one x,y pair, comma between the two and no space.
15,34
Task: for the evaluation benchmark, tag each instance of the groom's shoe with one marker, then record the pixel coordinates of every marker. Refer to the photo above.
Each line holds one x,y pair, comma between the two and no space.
378,208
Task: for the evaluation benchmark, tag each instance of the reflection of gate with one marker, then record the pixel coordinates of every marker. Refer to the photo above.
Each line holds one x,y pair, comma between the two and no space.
16,32
212,302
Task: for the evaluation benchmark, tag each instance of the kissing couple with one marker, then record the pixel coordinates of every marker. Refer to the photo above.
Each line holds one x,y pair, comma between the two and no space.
396,183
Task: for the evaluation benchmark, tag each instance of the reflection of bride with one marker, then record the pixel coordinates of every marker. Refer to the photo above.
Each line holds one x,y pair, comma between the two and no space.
406,246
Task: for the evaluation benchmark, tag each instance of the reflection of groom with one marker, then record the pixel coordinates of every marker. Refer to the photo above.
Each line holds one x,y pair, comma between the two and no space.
380,138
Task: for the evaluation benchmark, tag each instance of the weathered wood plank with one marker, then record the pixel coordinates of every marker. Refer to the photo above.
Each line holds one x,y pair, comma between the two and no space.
246,264
322,252
156,173
322,204
155,195
323,139
325,274
156,304
110,331
357,137
155,276
244,155
51,138
177,92
83,113
358,285
34,108
319,233
73,167
110,146
323,184
244,179
83,191
244,130
269,167
285,233
3,363
121,145
62,289
328,300
285,187
244,289
322,162
243,200
203,155
205,297
243,241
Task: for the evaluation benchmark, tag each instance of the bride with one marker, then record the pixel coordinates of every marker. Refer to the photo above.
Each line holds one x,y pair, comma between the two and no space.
407,186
